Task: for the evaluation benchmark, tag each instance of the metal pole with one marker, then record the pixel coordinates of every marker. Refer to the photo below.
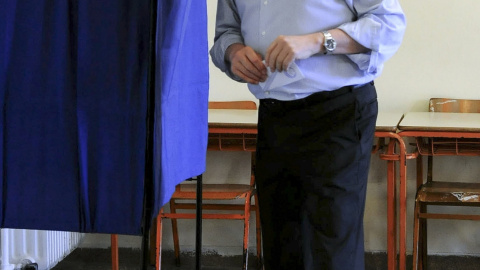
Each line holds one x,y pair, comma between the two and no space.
198,236
150,122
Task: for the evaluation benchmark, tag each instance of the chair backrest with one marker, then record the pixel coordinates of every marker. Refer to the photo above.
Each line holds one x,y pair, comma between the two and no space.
454,105
234,105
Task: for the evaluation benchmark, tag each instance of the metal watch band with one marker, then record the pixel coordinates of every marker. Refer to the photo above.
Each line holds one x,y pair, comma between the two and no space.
329,43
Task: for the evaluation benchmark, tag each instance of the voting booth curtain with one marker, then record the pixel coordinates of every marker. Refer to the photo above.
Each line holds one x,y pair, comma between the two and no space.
73,128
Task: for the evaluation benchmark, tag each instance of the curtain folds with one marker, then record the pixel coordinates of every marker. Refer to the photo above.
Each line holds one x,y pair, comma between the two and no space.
73,121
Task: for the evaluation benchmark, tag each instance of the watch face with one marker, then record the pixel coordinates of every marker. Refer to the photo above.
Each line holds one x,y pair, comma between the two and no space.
330,44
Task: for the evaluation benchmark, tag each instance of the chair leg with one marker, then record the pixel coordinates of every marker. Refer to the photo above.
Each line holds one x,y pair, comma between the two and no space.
258,232
158,245
114,250
246,231
176,245
416,239
429,168
153,241
423,239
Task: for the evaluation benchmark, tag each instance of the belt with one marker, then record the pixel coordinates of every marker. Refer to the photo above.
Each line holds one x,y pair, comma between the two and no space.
317,97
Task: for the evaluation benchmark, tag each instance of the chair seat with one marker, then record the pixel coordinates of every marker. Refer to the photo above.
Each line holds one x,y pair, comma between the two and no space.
213,191
449,193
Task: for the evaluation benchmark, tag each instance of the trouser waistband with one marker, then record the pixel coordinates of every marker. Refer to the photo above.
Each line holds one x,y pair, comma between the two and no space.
317,97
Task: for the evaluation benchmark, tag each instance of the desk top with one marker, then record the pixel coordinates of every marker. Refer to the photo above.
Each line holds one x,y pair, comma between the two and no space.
232,118
386,121
440,121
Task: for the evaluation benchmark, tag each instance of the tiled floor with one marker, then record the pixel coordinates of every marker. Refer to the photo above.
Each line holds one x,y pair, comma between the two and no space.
130,259
99,259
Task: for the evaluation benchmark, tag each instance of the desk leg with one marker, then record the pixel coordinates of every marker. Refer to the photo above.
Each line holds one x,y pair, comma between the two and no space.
198,238
114,250
391,158
422,241
391,210
403,205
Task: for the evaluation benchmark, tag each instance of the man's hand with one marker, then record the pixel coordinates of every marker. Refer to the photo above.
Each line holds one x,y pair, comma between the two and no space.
246,63
285,49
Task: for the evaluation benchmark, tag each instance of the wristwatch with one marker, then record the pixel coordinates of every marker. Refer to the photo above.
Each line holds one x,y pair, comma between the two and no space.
329,43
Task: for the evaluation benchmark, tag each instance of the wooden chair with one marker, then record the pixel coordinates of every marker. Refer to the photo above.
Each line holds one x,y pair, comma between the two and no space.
216,192
454,105
443,193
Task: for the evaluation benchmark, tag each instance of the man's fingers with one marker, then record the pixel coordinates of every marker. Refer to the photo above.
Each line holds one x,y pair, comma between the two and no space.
250,74
272,60
254,63
279,59
284,60
247,64
246,70
254,67
246,76
269,55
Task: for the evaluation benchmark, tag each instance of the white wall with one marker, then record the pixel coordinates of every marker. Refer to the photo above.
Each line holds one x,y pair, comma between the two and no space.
439,58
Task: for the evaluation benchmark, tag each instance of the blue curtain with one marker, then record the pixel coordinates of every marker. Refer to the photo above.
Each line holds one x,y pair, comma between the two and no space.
73,89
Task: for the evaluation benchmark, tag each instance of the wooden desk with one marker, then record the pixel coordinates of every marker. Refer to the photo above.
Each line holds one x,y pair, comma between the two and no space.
235,130
442,126
232,130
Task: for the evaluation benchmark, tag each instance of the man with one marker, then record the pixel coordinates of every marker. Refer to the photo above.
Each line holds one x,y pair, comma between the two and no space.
312,64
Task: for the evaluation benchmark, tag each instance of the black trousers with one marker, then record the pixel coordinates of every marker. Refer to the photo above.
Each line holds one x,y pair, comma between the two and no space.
313,159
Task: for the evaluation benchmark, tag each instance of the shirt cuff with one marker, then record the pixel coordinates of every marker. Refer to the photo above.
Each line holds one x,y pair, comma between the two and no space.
367,62
218,54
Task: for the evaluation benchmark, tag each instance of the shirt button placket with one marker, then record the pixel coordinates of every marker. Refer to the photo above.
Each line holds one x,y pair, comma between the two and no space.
264,3
262,27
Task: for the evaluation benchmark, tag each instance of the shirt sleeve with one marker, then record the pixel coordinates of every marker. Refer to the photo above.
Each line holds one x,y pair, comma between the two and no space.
227,32
380,26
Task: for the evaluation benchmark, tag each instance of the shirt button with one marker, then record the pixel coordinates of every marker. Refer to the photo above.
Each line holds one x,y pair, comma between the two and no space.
265,3
268,92
263,33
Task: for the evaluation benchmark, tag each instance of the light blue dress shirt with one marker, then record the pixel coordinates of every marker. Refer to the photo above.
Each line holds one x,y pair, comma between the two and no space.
376,24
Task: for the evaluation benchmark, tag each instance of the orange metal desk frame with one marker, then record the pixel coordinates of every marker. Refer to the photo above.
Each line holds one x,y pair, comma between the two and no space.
386,127
235,130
